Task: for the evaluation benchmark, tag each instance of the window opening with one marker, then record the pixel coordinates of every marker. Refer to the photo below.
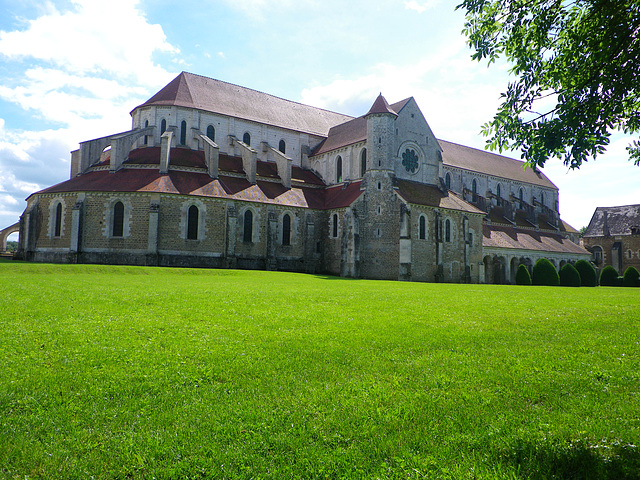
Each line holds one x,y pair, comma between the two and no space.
183,133
339,169
211,133
363,162
286,230
118,220
163,126
248,226
335,226
423,228
192,223
447,181
282,146
246,138
58,221
447,230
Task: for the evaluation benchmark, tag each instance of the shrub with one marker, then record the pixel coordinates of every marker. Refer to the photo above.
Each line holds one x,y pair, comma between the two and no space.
522,276
588,275
631,277
544,273
569,276
609,277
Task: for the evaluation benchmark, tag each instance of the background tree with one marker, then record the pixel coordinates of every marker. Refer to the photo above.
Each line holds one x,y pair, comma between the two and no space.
577,69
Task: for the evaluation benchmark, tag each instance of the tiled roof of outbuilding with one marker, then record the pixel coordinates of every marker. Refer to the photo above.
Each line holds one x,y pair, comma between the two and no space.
195,91
520,239
613,221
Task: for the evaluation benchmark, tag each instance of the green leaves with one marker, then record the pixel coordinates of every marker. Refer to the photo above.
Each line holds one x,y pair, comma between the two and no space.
578,74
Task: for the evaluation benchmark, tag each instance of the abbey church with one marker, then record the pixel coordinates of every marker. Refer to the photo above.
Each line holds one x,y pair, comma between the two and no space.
221,176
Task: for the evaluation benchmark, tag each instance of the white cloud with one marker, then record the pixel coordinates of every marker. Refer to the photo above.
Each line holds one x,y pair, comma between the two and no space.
421,7
79,70
110,37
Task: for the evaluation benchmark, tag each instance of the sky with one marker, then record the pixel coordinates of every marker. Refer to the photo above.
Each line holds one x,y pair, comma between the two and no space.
72,70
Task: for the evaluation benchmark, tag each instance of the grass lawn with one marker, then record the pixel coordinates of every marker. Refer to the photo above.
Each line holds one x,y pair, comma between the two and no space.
129,372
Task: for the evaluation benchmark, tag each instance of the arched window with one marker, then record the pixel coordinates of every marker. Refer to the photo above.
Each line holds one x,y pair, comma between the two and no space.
192,222
286,229
499,191
247,234
423,228
542,198
282,146
447,181
117,226
470,239
211,133
447,230
597,254
474,187
146,138
339,169
334,232
57,226
183,133
246,138
363,162
163,126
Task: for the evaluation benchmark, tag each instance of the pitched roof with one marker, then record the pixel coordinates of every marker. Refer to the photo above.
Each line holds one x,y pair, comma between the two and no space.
351,132
520,239
380,105
194,91
421,194
489,163
613,221
304,192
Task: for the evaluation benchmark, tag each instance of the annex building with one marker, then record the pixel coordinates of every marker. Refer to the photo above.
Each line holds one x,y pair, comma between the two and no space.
217,175
613,237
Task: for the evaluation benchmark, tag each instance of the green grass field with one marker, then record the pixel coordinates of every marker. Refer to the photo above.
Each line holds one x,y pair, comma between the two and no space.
127,372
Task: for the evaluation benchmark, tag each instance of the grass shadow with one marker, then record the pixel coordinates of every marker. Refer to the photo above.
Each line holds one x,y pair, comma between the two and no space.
574,460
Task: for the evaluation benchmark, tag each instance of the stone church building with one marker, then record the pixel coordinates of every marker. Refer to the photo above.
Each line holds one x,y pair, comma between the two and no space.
216,175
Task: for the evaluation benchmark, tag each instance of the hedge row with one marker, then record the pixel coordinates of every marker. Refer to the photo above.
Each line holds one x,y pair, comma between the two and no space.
580,274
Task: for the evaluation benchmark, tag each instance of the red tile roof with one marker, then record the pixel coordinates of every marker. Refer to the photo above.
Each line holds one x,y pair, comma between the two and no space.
429,195
350,132
340,196
515,238
381,106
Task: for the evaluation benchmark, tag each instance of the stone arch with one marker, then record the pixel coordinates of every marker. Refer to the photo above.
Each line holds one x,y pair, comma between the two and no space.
4,234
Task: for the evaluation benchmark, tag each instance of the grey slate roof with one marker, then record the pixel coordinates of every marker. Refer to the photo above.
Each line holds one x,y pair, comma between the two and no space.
194,91
613,221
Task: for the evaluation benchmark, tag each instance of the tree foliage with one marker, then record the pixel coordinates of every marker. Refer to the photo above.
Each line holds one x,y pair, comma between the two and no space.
544,273
522,275
631,277
609,277
577,74
588,275
569,276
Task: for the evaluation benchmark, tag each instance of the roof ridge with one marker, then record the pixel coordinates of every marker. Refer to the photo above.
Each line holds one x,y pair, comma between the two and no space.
268,94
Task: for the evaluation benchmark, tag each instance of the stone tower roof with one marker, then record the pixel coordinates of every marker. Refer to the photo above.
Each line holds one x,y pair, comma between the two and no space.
381,106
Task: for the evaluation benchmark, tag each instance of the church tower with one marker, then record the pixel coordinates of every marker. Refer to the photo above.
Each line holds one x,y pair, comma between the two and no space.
380,225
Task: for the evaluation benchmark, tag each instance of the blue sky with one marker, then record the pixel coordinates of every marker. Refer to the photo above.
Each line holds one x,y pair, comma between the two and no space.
73,70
